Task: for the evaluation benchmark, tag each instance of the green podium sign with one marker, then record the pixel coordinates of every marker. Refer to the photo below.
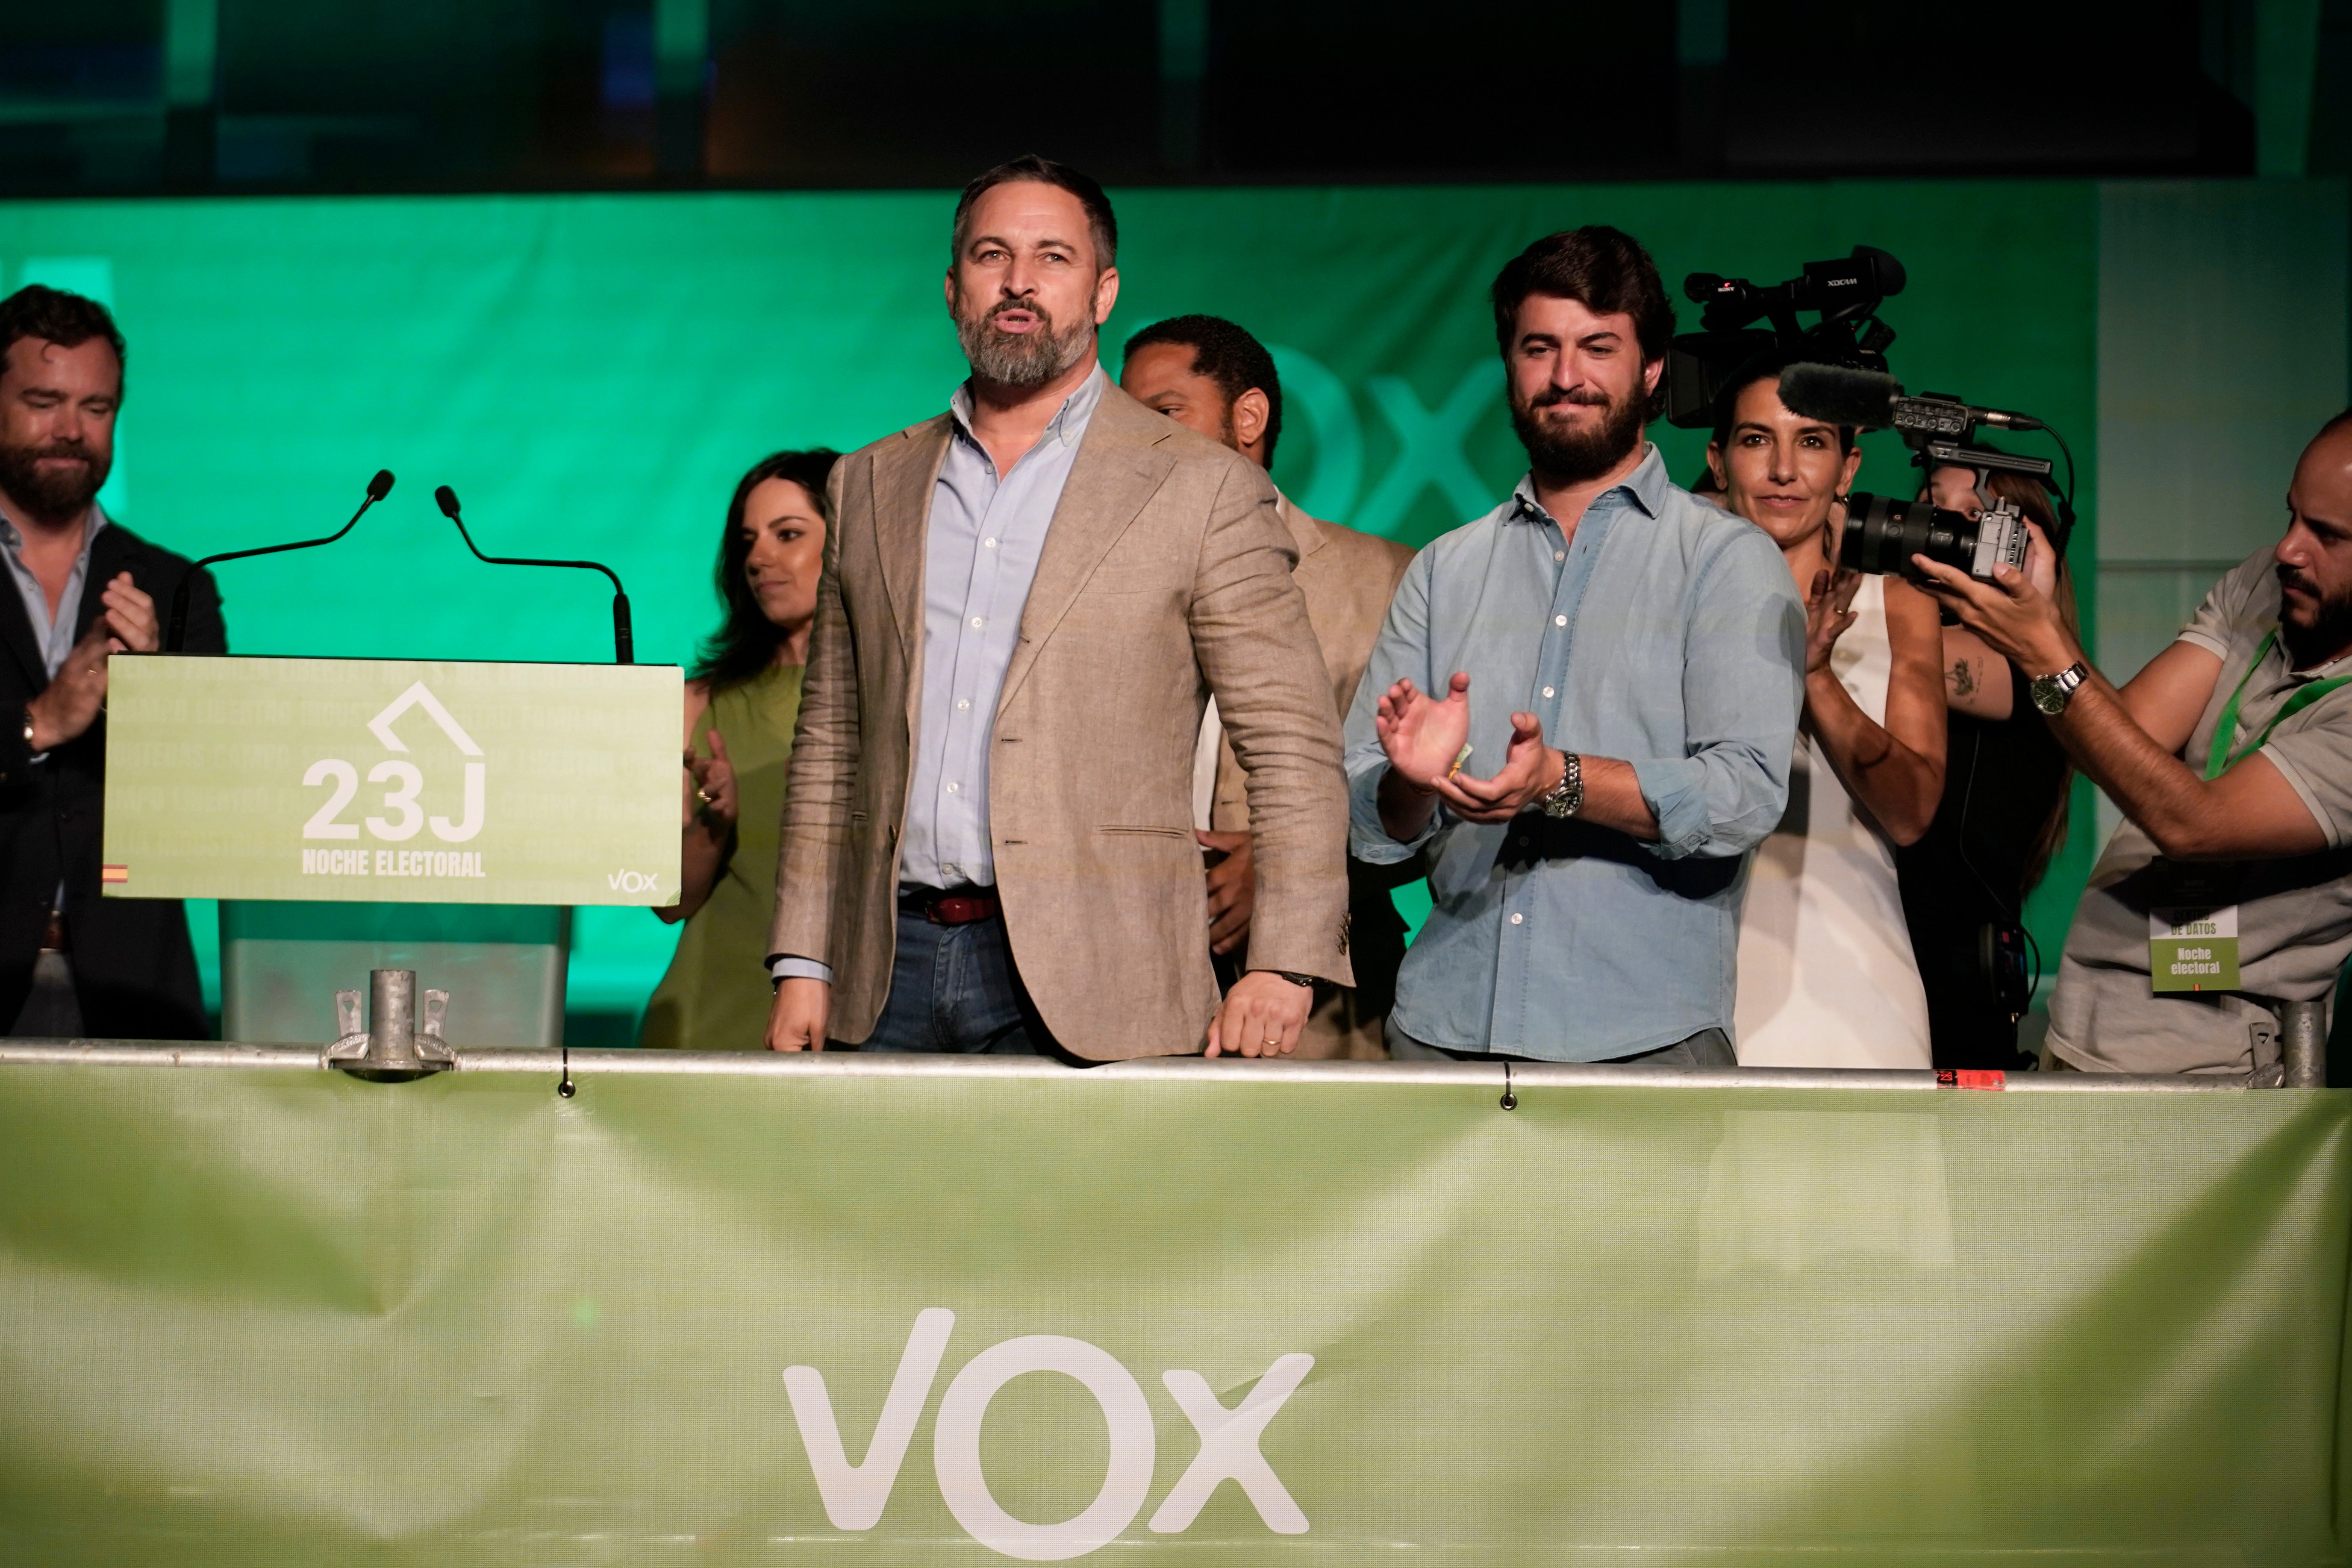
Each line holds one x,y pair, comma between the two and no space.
407,781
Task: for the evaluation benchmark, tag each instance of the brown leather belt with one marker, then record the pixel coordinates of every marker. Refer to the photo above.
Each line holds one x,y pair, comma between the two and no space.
951,906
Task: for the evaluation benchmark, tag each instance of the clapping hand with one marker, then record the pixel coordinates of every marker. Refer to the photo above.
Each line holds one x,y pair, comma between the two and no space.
1423,737
1425,740
713,779
1829,615
70,705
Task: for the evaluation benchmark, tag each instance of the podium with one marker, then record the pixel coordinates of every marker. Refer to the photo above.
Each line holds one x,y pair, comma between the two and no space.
442,816
502,964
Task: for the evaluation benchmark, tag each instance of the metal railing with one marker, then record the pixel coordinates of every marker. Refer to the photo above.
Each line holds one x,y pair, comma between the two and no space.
393,1047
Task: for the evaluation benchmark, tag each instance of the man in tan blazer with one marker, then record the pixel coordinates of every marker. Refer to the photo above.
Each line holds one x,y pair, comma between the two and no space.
1210,375
1025,605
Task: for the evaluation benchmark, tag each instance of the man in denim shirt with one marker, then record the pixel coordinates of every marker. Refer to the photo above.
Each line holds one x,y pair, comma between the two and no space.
1627,664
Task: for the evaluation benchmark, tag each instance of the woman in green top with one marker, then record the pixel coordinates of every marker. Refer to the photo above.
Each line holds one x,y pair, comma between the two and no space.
740,707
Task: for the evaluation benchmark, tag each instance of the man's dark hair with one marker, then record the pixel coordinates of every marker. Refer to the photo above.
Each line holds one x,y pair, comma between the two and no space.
1227,355
69,321
1605,269
1101,221
1766,366
745,643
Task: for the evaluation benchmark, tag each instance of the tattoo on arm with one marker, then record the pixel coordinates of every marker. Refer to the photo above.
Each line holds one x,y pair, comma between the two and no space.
1963,681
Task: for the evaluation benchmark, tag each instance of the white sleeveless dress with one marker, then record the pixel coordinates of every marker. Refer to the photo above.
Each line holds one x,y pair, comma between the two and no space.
1826,974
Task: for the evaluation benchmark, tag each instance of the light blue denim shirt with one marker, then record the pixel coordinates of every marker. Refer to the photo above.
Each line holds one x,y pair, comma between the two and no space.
1669,635
983,540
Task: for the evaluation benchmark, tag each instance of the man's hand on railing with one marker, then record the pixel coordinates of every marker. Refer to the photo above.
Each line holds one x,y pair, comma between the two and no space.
796,1022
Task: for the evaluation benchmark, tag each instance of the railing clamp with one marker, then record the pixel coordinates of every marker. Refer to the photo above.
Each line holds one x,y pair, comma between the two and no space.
390,1046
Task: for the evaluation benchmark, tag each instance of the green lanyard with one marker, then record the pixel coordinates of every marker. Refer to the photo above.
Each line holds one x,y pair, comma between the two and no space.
2218,759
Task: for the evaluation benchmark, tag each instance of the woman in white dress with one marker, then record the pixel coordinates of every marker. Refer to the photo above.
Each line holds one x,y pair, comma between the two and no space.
1826,974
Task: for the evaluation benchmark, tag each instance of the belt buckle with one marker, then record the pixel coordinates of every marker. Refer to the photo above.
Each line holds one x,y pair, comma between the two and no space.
958,909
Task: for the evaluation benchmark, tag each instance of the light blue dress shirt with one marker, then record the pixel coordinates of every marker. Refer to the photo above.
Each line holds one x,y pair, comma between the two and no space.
55,636
984,539
1668,634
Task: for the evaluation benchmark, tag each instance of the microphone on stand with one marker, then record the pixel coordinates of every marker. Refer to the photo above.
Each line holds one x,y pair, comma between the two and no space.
623,640
177,631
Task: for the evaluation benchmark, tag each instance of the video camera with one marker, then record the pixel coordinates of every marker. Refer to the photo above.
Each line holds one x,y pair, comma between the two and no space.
1883,533
1845,293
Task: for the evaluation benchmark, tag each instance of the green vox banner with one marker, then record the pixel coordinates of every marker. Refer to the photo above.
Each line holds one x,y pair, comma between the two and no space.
824,1315
401,781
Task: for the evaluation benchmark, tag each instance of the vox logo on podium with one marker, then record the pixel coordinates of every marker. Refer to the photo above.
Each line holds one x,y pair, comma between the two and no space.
403,813
856,1494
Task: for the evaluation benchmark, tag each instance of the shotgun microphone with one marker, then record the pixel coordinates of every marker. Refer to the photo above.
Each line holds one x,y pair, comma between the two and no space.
1873,400
177,633
623,640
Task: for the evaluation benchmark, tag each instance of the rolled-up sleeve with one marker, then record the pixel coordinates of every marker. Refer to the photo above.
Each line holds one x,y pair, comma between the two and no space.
1743,691
1400,653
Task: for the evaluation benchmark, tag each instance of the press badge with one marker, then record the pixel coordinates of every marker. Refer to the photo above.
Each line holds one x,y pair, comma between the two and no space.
2193,949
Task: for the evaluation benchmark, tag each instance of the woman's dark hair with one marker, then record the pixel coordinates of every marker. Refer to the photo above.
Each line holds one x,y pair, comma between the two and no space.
746,641
1766,366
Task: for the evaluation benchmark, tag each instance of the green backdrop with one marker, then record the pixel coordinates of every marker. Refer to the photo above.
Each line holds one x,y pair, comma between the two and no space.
592,374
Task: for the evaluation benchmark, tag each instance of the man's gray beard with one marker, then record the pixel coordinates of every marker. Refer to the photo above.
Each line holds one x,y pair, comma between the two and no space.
51,496
1575,457
1023,361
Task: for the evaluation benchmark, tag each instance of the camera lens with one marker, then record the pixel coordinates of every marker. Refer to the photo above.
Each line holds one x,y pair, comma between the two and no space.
1882,534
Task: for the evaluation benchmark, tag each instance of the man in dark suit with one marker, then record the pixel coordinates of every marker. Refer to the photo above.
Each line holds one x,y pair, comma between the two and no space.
81,589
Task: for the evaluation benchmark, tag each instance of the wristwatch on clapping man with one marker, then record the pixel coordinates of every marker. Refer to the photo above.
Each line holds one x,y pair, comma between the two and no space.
1565,798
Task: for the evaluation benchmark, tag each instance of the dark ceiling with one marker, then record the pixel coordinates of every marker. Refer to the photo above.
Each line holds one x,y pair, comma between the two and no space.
107,95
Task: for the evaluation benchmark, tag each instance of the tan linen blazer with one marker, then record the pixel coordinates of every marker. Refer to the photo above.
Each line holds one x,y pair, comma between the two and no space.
1348,577
1165,576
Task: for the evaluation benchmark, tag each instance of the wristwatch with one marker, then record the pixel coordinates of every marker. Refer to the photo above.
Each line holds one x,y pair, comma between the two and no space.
1565,798
2052,692
1306,980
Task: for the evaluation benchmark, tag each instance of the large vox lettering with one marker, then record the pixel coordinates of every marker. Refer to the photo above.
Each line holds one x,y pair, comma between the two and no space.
856,1494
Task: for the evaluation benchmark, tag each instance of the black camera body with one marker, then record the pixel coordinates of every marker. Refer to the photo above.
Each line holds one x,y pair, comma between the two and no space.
1845,292
1882,534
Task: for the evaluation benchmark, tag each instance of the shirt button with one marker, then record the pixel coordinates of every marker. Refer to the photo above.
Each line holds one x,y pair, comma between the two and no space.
977,623
1559,556
964,702
1547,691
1556,620
1516,918
989,542
953,786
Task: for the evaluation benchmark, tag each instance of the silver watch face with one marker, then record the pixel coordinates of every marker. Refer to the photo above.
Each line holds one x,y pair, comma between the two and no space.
2052,691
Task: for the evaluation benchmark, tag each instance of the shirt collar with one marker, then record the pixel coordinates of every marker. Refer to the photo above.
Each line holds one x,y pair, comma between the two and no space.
1069,422
2340,665
1645,486
92,526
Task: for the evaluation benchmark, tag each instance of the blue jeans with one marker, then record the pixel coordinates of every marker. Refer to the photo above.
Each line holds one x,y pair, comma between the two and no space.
954,992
